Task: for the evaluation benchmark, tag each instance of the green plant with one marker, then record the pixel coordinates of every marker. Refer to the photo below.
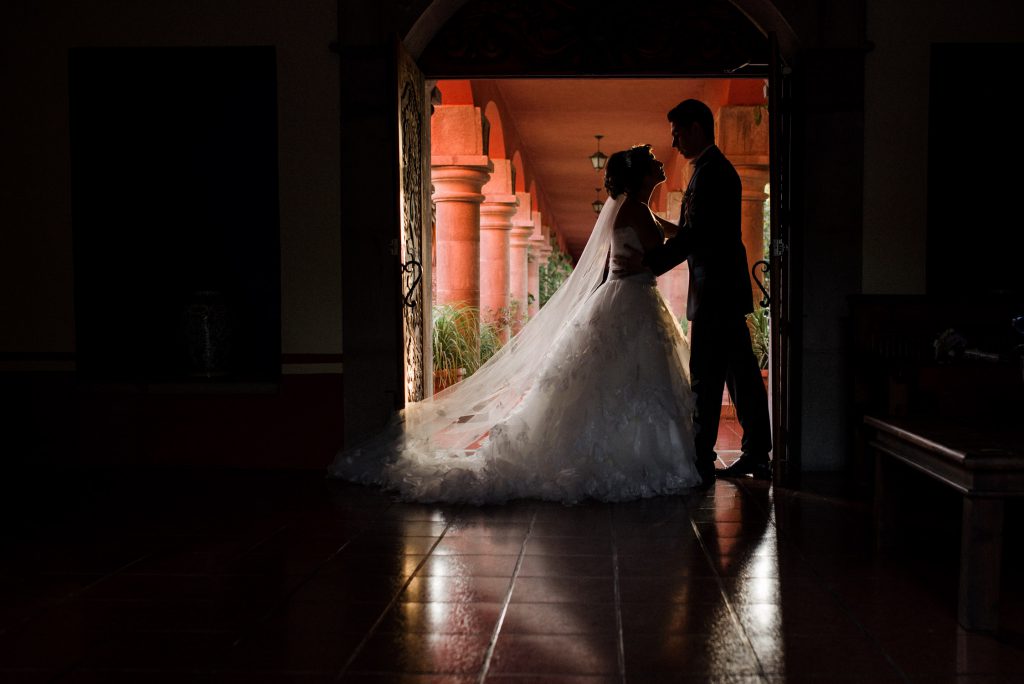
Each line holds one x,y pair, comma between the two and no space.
513,316
554,272
760,335
490,341
456,342
461,343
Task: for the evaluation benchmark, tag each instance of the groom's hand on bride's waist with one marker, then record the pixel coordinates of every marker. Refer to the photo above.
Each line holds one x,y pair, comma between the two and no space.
628,264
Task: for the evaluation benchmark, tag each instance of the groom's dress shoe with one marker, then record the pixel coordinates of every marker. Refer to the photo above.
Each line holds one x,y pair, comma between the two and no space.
748,465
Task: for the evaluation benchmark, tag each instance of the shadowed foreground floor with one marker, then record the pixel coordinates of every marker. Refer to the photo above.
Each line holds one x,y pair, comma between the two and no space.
231,576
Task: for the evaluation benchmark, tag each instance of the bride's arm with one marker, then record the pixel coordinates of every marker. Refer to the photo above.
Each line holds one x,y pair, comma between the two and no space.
670,229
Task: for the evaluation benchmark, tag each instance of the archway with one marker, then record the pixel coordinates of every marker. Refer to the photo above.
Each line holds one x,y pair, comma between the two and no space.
484,38
762,14
713,40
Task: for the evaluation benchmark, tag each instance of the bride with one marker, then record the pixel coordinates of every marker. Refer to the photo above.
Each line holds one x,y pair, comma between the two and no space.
591,400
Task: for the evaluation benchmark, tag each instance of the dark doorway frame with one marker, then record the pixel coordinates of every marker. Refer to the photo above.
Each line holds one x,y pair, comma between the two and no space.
782,46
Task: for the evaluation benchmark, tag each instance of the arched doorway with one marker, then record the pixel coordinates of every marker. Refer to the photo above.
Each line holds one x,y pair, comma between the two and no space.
489,39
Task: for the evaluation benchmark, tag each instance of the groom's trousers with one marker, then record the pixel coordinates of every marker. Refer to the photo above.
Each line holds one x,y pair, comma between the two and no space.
721,353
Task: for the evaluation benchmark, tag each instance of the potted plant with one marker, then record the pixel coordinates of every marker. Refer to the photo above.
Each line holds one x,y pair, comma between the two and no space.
456,343
460,343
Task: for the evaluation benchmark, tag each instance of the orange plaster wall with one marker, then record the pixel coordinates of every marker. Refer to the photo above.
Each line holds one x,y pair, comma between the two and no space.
517,161
496,148
456,92
746,91
486,95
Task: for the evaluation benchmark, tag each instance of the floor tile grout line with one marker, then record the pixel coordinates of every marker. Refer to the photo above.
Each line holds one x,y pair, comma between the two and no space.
74,666
725,598
261,621
266,539
51,603
620,645
391,604
492,644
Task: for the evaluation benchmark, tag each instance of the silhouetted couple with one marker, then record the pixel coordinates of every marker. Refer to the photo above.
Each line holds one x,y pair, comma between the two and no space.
592,399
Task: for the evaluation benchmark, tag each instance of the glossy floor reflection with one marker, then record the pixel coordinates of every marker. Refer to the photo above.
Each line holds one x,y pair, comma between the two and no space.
169,576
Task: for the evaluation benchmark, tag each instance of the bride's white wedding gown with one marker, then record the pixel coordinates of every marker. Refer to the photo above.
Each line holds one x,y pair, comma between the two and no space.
605,414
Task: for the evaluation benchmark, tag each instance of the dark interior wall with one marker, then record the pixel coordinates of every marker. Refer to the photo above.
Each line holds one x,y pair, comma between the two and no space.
863,184
36,264
975,243
369,201
41,396
175,216
897,96
828,215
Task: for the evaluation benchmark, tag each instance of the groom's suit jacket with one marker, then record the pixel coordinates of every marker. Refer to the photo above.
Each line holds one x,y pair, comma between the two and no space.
710,239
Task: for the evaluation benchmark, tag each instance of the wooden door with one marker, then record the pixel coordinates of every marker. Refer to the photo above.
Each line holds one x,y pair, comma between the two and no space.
785,315
413,249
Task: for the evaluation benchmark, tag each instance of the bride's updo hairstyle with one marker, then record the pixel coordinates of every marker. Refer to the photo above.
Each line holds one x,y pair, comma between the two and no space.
626,170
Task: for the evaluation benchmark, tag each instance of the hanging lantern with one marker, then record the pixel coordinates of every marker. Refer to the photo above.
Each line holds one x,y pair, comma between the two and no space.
598,158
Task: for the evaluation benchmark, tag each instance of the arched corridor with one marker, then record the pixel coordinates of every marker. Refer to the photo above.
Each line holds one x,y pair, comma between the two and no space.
537,136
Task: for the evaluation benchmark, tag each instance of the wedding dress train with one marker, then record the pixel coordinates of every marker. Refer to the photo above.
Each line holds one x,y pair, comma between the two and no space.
595,404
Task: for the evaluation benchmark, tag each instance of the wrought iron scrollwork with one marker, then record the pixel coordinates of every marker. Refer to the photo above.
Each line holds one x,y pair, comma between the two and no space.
408,267
765,268
409,245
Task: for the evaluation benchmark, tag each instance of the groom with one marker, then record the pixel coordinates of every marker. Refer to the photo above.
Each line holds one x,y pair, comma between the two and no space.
720,298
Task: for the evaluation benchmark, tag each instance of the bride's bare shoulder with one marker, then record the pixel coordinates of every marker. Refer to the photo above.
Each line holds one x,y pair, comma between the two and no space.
629,214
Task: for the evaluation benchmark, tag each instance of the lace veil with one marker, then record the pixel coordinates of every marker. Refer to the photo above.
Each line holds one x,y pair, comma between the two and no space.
455,421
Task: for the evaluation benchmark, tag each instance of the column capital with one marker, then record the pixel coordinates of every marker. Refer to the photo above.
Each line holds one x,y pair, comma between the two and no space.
522,222
540,249
459,178
521,233
497,211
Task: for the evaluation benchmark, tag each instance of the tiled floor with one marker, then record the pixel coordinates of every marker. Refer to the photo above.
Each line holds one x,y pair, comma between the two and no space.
229,576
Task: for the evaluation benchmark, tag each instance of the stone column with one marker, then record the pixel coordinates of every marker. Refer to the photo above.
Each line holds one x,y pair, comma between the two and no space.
743,137
458,180
496,214
753,177
522,231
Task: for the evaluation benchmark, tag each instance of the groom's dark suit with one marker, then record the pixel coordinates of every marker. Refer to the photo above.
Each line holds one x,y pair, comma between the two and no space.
710,239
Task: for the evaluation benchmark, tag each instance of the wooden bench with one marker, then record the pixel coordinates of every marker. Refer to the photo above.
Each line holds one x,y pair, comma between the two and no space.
983,459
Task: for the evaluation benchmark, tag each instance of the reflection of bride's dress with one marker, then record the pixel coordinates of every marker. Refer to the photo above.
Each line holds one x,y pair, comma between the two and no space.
604,412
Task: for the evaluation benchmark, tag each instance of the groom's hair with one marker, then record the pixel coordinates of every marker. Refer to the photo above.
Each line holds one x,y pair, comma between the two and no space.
689,111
